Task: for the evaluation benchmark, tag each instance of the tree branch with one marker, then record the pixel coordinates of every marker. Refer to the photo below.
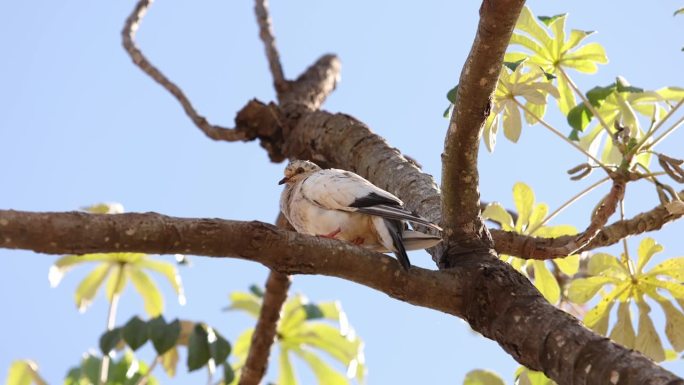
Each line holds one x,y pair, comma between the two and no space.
266,35
277,285
464,228
495,299
128,34
264,334
528,247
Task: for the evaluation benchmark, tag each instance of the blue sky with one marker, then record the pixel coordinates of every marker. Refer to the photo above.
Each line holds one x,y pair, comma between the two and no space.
81,125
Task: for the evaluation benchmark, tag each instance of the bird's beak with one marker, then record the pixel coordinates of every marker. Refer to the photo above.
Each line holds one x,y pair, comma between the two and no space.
284,180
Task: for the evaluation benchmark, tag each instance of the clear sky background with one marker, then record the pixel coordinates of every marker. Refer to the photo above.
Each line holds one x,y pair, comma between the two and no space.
80,124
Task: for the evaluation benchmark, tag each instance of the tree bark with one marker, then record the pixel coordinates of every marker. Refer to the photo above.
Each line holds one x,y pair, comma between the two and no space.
495,299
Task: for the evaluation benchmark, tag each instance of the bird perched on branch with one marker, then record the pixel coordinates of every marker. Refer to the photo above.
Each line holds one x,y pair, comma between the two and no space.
339,204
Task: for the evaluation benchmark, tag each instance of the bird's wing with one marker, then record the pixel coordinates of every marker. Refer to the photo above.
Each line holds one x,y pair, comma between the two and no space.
343,190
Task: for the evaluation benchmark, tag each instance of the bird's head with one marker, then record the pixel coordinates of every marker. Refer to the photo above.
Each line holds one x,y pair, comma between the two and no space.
298,169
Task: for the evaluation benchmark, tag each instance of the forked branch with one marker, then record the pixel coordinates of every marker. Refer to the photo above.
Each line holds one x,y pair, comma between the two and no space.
128,34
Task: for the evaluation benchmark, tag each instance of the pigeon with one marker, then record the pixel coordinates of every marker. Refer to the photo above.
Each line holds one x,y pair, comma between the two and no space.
340,204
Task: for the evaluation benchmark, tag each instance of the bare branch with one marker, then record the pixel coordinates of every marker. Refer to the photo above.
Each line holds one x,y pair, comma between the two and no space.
277,285
128,34
461,220
524,246
254,369
495,299
266,34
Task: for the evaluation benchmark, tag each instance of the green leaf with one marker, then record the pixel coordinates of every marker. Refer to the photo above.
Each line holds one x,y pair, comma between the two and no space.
286,374
567,97
198,348
90,369
247,302
576,37
164,336
24,372
523,198
598,95
169,271
323,372
256,290
568,265
582,290
312,311
623,331
87,289
546,282
624,86
452,94
647,340
579,117
109,340
495,212
228,373
152,298
678,12
135,333
674,325
549,19
482,377
219,348
647,248
531,377
514,65
328,339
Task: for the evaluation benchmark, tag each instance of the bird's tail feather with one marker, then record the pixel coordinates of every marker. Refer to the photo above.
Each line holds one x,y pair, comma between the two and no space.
395,231
415,240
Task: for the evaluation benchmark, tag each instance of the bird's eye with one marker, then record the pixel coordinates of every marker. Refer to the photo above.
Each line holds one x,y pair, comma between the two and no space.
300,170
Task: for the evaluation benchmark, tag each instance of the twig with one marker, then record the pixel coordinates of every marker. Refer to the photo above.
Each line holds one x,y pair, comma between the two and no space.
560,135
266,34
666,133
143,380
657,126
128,34
625,256
529,247
567,204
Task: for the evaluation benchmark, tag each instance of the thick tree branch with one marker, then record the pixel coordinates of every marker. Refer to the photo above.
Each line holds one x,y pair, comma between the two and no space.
264,335
463,226
266,34
277,285
494,298
128,34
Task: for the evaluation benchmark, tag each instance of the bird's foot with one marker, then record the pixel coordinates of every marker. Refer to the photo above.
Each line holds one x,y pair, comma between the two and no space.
332,234
358,241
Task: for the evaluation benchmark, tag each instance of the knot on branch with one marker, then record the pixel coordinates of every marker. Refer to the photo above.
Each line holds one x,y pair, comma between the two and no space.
265,122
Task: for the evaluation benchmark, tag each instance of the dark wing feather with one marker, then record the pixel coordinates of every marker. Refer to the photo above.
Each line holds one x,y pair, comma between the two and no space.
394,228
374,199
397,213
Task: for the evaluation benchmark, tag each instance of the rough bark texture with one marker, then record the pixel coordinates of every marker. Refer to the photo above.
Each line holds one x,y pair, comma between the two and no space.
495,299
464,228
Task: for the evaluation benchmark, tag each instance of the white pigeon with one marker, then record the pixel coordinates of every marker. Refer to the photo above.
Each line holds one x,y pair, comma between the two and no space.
339,204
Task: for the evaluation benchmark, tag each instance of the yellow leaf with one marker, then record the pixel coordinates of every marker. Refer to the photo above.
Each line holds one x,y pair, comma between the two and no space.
607,265
582,290
647,340
623,331
584,59
523,198
169,361
537,216
512,123
647,248
528,23
152,298
286,375
86,290
496,212
482,377
673,267
597,318
674,325
566,101
546,282
568,265
537,110
116,281
576,37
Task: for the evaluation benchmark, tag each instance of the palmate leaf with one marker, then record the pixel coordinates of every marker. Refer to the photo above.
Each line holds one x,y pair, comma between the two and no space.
530,221
549,49
519,85
86,290
148,290
325,374
24,372
245,301
631,287
482,377
286,373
